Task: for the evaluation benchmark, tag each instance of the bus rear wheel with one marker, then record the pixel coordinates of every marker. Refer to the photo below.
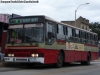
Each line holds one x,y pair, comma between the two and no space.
59,60
88,60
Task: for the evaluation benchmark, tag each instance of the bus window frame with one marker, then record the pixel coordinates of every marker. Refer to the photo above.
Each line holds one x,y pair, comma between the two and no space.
77,39
54,23
63,30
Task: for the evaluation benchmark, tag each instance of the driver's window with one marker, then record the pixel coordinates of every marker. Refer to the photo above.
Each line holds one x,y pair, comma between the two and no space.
50,32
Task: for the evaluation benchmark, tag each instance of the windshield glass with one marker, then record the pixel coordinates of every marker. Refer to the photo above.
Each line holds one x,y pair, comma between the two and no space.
34,33
15,34
29,33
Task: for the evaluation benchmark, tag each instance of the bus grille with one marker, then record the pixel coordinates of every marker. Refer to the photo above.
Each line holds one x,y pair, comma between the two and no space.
22,54
21,60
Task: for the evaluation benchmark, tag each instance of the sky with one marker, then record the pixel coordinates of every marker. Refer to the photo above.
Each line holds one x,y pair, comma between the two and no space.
59,10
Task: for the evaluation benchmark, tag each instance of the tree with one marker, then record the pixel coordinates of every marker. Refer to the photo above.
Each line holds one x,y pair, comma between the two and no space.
95,27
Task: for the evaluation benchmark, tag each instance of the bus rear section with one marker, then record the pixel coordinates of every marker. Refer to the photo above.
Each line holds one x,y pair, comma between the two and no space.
40,39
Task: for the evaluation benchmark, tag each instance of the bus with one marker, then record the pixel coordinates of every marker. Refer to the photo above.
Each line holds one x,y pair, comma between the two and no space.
40,39
3,37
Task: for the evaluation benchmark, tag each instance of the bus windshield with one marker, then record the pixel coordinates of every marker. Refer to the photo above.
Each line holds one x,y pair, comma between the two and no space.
28,33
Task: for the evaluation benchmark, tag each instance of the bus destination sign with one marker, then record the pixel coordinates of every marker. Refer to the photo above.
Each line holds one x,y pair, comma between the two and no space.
26,20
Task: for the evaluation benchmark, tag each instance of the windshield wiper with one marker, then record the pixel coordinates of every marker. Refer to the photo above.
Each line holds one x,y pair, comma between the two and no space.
28,39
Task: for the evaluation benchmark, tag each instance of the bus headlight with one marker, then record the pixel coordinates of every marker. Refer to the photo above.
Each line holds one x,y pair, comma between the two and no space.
34,55
11,55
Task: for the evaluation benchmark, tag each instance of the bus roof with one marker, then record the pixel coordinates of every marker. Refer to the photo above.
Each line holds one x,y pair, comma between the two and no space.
76,28
48,18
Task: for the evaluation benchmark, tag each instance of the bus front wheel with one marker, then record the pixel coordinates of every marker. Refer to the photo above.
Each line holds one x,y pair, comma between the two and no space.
59,60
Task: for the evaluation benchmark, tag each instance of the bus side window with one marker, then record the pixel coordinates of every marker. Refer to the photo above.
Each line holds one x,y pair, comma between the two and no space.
80,36
85,37
60,32
70,34
96,40
93,41
91,38
73,32
50,32
77,35
66,33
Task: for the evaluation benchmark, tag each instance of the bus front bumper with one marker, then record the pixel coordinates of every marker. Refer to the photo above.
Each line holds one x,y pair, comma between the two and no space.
25,59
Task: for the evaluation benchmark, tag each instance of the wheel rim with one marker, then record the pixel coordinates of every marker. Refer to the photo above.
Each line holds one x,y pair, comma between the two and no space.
60,60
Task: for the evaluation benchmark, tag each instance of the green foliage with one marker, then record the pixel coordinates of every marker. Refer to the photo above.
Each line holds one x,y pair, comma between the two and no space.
95,27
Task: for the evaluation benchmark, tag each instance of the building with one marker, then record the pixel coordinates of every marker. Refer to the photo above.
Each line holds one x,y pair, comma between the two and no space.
5,18
80,22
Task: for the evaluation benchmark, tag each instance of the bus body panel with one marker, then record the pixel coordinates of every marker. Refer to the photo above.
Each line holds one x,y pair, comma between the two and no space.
94,55
50,55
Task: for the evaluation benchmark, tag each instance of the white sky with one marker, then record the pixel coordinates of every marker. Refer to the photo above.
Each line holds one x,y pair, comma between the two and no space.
57,9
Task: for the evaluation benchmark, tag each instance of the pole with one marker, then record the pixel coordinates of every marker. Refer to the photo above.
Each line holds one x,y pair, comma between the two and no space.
76,11
75,18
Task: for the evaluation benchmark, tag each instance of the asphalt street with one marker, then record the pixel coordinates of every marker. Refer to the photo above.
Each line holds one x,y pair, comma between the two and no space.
71,69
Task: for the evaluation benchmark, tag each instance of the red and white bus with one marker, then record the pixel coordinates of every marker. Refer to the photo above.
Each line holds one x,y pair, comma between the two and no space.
40,39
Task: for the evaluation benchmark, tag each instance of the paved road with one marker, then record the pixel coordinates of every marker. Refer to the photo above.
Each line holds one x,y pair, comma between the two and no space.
72,69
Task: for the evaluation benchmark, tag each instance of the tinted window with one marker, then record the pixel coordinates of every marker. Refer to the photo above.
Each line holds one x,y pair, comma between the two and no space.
77,33
70,38
50,32
60,32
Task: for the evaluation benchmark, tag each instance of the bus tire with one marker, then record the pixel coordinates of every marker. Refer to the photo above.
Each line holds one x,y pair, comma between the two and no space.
59,60
88,60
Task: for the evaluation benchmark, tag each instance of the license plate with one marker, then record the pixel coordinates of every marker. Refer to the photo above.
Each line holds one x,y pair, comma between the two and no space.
33,59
